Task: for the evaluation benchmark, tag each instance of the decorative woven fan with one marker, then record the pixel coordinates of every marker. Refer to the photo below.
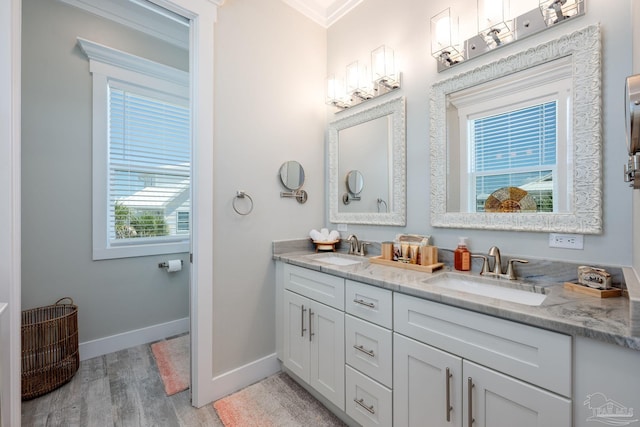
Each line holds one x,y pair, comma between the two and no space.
510,199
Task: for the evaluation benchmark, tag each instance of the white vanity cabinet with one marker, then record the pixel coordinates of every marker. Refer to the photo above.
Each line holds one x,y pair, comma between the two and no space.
368,348
313,341
484,372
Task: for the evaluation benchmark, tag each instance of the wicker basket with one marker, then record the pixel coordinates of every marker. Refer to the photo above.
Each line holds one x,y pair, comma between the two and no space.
49,347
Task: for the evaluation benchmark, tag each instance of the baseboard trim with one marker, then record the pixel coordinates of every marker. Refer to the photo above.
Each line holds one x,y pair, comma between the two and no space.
106,345
243,376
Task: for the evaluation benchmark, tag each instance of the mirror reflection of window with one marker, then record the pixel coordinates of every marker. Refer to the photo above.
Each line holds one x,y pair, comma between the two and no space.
515,134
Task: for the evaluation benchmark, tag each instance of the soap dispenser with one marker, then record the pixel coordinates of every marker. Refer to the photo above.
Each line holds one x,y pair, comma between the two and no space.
462,256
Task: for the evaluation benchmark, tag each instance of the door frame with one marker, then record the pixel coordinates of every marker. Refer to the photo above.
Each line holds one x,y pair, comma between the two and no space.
202,15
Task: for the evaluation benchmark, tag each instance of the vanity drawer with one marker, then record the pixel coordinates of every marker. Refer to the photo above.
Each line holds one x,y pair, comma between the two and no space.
368,402
534,355
369,303
317,286
369,349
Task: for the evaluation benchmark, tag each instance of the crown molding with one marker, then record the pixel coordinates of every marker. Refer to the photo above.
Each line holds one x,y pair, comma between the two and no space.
324,13
126,13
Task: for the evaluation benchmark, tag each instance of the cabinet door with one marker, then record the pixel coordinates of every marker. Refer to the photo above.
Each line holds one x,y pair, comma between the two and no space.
496,400
326,330
426,385
296,334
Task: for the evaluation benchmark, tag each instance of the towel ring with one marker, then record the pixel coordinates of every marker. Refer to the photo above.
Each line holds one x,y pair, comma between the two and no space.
242,195
382,202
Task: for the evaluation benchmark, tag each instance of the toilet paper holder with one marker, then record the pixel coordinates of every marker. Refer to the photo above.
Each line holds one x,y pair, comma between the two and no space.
166,264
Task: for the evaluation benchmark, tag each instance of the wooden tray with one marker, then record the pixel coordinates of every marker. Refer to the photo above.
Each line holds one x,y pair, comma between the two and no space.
415,267
601,293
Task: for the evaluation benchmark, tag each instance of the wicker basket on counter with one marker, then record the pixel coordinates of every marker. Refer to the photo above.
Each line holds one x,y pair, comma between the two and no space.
49,347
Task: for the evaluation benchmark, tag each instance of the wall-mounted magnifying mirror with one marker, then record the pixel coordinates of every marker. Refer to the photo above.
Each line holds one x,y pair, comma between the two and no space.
632,122
355,183
292,178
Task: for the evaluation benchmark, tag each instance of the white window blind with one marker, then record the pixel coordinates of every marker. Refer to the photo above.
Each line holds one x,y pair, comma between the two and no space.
149,166
516,148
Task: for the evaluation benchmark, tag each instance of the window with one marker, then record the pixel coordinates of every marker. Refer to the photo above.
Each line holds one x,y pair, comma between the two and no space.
182,222
516,148
141,155
516,136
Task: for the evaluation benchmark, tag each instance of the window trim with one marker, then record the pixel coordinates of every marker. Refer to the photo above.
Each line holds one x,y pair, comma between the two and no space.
106,65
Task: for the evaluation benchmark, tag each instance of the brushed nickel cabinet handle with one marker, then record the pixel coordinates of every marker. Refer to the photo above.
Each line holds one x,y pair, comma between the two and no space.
365,351
302,328
363,302
360,402
447,386
311,334
470,419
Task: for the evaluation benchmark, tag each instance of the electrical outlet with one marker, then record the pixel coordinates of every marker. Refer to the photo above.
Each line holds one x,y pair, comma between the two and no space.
566,241
342,227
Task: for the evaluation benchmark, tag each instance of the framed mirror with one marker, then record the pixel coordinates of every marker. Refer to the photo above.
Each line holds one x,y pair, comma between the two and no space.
372,142
516,144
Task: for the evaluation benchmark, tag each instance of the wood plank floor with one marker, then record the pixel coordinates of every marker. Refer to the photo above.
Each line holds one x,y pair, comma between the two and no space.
117,389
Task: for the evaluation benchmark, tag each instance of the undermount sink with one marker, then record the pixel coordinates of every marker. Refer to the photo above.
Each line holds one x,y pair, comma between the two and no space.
492,288
336,259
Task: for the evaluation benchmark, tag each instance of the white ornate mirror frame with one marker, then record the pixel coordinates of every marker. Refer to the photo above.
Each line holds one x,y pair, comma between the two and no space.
395,108
586,218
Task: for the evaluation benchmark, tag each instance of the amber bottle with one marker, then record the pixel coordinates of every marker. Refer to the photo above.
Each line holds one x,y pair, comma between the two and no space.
462,256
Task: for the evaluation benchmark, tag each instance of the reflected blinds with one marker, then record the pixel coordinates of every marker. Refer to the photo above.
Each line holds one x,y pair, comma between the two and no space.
521,144
149,166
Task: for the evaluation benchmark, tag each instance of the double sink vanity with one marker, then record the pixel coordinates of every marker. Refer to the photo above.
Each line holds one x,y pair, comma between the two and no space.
383,346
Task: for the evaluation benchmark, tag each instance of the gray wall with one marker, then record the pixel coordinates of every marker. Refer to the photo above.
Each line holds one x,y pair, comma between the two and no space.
269,99
406,29
113,296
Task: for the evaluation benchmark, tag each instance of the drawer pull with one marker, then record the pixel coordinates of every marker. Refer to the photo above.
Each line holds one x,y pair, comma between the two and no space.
365,351
470,419
363,302
302,328
361,403
447,380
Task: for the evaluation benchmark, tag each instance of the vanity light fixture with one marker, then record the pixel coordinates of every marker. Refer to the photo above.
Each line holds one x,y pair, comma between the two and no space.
497,28
494,23
361,85
555,11
445,44
336,95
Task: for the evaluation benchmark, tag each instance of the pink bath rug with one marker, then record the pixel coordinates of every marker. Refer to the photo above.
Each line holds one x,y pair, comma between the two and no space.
172,358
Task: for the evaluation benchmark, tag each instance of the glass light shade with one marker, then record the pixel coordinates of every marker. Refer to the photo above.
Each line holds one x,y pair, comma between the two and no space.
494,22
358,80
445,44
335,91
568,9
383,67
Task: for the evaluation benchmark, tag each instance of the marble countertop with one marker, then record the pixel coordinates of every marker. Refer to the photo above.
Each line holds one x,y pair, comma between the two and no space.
565,311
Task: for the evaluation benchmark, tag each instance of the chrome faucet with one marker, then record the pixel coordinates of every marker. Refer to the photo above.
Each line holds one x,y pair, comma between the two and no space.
497,266
356,247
